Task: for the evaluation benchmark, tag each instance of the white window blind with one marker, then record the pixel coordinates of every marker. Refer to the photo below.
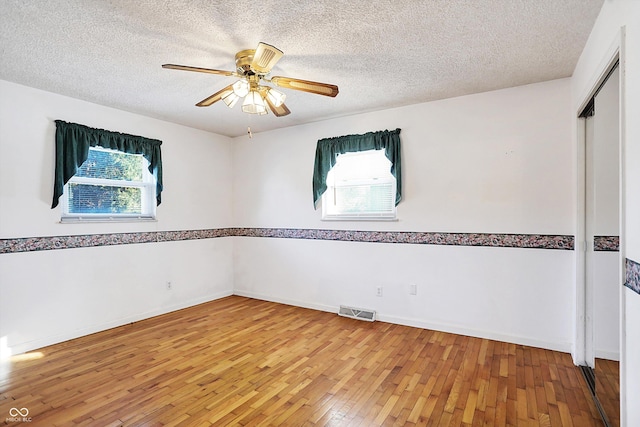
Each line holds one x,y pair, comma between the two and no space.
360,186
110,185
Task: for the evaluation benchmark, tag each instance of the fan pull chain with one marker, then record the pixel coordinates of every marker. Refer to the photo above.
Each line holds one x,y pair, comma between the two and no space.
249,132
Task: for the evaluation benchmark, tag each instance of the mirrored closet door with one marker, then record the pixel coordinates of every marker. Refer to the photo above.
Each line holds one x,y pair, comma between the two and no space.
603,264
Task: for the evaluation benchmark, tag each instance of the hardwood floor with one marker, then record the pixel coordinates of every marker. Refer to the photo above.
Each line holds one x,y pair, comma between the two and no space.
243,362
608,389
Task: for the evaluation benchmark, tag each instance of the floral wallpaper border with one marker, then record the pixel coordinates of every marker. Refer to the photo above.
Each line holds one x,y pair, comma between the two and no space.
606,243
632,275
425,238
538,241
30,244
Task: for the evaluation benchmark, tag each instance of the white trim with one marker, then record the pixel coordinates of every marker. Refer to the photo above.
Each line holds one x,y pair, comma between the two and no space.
579,348
606,64
623,228
369,218
616,51
416,323
564,347
612,55
295,303
55,339
146,185
588,254
608,355
378,176
88,218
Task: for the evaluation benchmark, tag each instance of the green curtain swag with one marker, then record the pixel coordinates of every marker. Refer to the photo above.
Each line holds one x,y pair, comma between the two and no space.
72,149
328,149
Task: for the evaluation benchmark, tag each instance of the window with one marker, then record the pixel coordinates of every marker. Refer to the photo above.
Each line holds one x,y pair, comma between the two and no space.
327,152
110,185
360,186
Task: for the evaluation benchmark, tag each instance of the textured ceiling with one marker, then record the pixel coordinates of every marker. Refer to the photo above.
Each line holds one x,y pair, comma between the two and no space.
381,54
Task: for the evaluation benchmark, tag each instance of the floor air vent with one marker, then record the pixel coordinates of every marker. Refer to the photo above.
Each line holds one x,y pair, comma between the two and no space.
357,313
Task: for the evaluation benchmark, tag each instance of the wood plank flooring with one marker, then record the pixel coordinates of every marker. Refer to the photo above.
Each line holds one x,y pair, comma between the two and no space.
608,389
244,362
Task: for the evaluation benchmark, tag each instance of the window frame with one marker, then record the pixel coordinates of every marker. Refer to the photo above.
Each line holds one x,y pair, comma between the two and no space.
328,148
328,215
147,186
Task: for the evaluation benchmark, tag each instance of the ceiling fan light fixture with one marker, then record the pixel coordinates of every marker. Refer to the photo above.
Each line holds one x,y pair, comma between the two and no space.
230,98
276,97
265,57
252,68
254,104
241,88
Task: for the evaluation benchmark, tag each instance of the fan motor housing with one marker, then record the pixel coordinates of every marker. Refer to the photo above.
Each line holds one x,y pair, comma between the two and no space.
244,58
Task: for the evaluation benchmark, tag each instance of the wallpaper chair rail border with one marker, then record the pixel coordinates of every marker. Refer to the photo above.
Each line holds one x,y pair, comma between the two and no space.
537,241
530,241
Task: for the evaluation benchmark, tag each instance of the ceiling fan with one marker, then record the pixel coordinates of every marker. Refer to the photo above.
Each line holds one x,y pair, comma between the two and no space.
252,69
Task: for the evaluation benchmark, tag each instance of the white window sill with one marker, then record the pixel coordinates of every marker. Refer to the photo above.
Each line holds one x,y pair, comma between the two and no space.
359,218
103,219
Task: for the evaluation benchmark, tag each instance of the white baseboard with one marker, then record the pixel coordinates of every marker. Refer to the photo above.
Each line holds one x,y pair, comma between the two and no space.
609,355
77,333
417,323
477,333
319,307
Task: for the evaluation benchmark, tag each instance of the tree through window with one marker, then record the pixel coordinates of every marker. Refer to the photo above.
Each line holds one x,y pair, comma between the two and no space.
110,184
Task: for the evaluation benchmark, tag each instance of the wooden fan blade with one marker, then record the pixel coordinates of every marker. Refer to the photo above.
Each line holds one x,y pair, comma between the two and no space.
197,69
215,97
265,58
280,111
306,86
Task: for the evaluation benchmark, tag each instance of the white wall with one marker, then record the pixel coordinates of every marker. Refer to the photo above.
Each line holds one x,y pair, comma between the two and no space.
616,14
55,295
496,162
470,164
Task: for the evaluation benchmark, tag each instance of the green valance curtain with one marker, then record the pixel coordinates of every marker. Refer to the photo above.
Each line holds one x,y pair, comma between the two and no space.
328,149
72,149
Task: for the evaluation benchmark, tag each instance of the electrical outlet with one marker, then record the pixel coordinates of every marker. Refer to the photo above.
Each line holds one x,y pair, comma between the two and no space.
169,285
413,289
379,291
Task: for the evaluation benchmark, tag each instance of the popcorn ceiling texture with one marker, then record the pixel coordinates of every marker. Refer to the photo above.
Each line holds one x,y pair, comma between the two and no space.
382,54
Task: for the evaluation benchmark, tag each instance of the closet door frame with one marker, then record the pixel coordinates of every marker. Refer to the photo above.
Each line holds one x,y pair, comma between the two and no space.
583,339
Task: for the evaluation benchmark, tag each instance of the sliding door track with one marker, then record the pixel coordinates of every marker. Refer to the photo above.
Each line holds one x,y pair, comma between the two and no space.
590,378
